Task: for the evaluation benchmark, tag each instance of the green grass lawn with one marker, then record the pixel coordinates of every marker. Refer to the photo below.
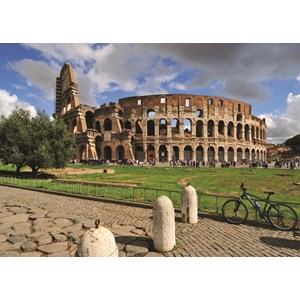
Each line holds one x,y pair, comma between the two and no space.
205,180
214,181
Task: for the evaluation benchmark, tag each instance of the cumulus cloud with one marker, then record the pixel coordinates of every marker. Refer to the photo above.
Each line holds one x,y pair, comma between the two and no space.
282,127
38,74
9,102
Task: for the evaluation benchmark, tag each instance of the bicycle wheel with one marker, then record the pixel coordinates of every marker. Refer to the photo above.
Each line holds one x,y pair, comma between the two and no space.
234,211
282,216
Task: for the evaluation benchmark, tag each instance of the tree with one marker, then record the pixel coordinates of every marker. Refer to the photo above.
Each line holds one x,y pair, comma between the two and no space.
294,144
37,142
13,137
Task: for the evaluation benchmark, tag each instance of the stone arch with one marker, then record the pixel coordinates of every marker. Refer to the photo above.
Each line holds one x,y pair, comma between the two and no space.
221,154
199,153
188,153
107,124
247,132
151,114
163,153
253,133
107,153
175,126
127,125
175,156
187,125
247,153
82,152
138,127
257,155
97,125
120,152
239,131
139,153
239,154
221,127
230,129
150,152
89,118
211,153
199,113
211,128
162,127
150,128
253,155
230,154
199,128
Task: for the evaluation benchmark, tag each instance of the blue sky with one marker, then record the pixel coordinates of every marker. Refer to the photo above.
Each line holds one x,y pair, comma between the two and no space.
264,75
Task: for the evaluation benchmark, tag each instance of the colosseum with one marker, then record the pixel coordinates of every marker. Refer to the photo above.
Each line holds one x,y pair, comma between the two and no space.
160,127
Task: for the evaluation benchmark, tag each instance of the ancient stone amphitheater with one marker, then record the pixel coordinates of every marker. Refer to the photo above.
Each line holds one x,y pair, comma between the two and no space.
160,127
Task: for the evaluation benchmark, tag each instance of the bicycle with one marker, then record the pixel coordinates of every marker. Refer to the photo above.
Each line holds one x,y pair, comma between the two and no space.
280,215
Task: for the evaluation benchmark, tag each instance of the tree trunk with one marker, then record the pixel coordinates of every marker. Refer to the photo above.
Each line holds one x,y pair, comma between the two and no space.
34,171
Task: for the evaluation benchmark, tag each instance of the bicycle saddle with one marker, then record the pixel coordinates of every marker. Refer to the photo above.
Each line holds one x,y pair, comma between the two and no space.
271,193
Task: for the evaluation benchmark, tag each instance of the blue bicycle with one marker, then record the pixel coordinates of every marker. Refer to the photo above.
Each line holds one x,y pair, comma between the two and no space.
279,215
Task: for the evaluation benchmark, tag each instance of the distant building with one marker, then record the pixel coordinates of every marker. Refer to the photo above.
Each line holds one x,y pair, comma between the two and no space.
161,127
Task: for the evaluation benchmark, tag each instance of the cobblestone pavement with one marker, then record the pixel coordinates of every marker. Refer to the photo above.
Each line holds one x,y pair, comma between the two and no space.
40,224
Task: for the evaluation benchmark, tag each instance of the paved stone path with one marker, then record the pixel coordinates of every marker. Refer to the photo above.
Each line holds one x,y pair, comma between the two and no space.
39,224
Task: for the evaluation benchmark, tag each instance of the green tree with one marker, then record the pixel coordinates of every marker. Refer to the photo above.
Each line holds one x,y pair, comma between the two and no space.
13,137
294,144
41,143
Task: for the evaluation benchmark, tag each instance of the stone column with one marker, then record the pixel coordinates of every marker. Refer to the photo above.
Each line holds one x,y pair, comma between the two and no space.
189,205
163,224
205,158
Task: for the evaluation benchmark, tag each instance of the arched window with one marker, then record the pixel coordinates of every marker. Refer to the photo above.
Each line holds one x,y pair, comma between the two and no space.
220,103
210,101
230,129
89,117
151,114
239,118
150,128
188,153
97,125
162,127
247,133
199,113
175,156
120,152
221,127
199,128
107,153
239,131
187,126
199,153
210,128
239,154
107,124
128,125
175,126
138,127
221,154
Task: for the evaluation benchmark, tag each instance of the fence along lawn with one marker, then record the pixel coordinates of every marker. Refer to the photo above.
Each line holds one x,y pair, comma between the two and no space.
145,184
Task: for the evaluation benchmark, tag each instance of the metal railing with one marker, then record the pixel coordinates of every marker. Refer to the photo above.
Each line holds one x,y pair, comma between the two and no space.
207,203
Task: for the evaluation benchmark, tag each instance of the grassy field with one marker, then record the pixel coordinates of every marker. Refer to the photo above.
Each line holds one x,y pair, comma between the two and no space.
132,183
205,180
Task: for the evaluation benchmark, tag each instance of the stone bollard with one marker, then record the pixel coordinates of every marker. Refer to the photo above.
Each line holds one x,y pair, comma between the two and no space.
189,205
163,224
98,241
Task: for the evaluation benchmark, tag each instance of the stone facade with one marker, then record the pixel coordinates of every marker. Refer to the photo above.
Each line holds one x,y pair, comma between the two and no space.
161,127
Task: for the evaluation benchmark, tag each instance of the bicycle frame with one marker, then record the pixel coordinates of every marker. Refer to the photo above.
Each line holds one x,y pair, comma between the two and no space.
261,211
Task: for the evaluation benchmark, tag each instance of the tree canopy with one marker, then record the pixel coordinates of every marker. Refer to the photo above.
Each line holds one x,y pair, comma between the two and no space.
294,144
37,142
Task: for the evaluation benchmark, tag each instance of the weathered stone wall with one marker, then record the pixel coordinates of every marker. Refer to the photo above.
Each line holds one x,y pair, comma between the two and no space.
161,127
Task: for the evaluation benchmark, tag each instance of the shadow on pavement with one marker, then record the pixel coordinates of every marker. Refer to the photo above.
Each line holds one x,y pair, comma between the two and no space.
281,242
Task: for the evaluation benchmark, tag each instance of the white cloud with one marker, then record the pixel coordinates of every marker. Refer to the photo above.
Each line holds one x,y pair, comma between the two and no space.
280,128
38,74
9,102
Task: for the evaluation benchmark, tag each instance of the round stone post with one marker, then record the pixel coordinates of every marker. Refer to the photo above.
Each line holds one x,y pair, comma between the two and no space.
98,242
163,224
189,205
